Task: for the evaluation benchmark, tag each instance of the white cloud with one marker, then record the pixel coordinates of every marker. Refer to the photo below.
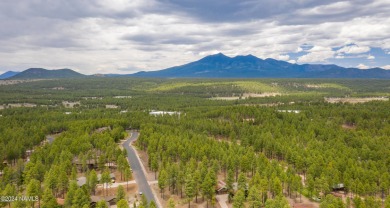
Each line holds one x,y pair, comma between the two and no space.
362,66
299,49
370,57
317,54
354,49
89,37
283,57
340,57
333,8
387,67
292,61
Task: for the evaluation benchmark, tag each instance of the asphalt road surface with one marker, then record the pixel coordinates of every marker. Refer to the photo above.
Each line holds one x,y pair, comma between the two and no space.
50,139
138,174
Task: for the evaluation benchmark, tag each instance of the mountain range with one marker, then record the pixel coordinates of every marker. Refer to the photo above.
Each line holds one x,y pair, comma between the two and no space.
39,73
222,66
8,74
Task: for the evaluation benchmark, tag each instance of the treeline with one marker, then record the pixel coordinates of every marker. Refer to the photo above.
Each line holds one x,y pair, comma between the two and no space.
52,169
312,144
23,128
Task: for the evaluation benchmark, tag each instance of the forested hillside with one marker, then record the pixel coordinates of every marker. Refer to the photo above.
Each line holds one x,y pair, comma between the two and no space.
273,142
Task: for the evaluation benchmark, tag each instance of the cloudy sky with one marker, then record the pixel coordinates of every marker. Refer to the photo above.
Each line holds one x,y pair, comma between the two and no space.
125,36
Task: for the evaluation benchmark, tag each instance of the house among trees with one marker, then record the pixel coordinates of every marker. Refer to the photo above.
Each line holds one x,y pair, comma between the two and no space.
110,200
221,188
112,176
91,163
81,181
338,187
161,113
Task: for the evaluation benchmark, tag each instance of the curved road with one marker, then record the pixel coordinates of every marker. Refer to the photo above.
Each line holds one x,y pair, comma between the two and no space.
138,173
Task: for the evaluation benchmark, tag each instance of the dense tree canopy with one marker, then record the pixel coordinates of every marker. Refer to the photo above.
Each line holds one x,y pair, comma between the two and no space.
257,142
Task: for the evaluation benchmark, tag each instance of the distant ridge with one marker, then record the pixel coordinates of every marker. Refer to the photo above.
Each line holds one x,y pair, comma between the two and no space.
39,73
8,74
222,66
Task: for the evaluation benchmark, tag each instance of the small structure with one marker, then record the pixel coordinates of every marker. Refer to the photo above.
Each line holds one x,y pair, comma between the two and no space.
110,200
91,163
112,176
102,129
221,188
81,181
112,106
161,113
69,104
289,111
338,187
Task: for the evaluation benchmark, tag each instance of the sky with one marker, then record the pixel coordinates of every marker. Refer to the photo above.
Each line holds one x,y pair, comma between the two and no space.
126,36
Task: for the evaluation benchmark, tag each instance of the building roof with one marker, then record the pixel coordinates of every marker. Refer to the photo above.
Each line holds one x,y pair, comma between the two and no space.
112,176
81,181
105,198
156,113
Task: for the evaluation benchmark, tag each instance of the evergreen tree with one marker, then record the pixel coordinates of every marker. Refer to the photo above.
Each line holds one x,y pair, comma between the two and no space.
48,200
263,190
171,203
152,204
242,182
19,203
239,199
9,190
190,189
198,182
127,176
277,202
51,178
162,181
74,173
332,202
229,184
71,193
387,202
62,181
106,179
93,181
121,194
80,198
208,186
101,204
33,190
144,201
122,204
254,197
154,164
276,187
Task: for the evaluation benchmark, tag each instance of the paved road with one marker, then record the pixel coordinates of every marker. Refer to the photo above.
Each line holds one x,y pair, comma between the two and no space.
50,139
138,173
